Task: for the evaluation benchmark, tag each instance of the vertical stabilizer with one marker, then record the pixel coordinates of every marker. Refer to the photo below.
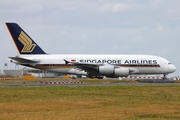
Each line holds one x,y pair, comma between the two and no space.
23,41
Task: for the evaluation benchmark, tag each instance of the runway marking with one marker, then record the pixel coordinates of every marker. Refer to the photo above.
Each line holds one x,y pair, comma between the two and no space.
61,82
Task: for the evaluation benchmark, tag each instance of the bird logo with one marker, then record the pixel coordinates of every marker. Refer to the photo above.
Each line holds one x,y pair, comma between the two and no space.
27,42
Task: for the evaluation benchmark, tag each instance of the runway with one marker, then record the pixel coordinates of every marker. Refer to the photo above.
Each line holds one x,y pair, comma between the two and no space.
41,83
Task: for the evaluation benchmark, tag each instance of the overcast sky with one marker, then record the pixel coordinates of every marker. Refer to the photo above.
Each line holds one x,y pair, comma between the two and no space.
95,26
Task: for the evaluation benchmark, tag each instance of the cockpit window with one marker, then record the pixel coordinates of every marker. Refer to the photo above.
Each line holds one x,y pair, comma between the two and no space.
169,63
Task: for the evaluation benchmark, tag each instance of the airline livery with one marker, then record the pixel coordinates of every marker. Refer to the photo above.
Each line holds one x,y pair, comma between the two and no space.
91,65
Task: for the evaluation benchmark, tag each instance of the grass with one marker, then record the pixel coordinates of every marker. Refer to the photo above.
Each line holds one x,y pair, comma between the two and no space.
90,103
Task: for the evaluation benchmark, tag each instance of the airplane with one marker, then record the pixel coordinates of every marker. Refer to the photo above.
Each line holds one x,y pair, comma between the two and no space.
91,65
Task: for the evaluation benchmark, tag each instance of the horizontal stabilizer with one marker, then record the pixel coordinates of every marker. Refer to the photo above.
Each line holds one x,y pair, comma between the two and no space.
23,60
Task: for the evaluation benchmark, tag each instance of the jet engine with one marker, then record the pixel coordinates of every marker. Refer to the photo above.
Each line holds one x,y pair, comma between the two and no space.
109,70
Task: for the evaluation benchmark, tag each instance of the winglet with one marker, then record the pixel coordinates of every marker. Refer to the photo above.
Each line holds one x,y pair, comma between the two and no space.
70,63
67,62
22,40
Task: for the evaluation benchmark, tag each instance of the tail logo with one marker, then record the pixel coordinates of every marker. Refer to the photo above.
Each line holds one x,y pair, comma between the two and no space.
27,42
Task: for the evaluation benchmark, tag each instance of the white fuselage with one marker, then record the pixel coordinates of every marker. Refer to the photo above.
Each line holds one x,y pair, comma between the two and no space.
137,64
32,55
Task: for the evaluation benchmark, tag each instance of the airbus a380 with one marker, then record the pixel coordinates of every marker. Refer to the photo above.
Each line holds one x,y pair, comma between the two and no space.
31,55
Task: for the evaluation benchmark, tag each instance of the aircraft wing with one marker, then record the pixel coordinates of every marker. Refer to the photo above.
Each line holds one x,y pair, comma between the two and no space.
91,67
23,60
84,66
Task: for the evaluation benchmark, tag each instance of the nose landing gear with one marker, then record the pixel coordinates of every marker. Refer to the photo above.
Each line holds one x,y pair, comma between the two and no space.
165,77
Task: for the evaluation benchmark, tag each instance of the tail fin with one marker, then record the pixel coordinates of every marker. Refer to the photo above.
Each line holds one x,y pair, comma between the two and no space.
23,41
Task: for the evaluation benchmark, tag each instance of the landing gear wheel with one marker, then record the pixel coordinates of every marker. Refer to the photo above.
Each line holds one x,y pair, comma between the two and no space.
164,76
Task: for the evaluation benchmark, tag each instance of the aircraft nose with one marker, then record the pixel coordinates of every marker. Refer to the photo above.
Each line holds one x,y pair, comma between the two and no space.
173,68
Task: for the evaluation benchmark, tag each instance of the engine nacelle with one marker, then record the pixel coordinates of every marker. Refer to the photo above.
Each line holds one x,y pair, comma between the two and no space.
109,70
121,71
